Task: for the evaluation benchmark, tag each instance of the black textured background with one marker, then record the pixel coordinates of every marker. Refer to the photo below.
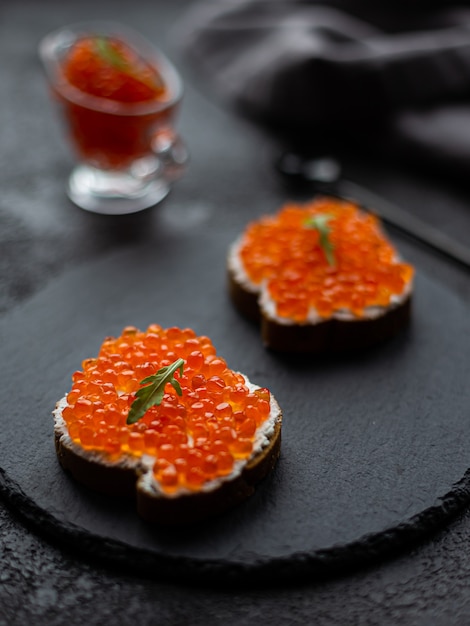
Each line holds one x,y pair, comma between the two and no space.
42,235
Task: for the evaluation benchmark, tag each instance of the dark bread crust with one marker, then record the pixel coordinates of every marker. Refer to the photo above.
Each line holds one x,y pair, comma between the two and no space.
95,471
195,507
125,477
330,336
335,335
245,300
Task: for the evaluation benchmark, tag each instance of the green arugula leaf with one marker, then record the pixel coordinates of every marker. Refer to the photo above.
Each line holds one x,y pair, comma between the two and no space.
320,224
109,54
116,59
154,390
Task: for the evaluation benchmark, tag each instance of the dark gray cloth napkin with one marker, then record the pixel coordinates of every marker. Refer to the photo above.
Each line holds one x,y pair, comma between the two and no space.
394,73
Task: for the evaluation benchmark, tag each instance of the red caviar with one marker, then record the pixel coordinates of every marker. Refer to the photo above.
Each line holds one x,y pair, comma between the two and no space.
285,253
104,80
195,437
107,67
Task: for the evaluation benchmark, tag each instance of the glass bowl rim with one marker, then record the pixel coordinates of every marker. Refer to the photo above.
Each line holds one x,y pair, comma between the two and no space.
48,50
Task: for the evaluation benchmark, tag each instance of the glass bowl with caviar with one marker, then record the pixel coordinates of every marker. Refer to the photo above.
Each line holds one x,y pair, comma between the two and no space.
119,97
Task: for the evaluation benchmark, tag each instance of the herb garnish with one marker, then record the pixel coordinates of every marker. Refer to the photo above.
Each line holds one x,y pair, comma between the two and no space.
152,394
118,60
109,53
320,224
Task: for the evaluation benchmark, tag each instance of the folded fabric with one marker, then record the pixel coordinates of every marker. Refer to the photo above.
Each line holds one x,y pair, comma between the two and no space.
403,67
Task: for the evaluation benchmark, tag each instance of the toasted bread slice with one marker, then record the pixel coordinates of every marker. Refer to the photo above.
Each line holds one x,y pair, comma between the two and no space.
373,306
190,457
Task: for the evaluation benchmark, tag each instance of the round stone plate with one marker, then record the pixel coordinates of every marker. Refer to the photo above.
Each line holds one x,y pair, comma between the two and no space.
375,446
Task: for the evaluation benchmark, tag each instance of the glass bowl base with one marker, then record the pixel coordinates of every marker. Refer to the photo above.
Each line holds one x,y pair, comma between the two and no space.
114,193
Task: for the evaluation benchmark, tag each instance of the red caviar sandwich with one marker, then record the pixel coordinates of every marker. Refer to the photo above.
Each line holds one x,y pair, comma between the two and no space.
159,416
320,277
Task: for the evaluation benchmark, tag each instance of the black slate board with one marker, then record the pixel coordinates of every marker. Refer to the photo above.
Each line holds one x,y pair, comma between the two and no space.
375,446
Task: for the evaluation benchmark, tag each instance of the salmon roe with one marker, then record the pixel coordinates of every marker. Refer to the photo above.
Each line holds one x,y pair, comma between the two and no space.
108,67
285,254
136,100
195,437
